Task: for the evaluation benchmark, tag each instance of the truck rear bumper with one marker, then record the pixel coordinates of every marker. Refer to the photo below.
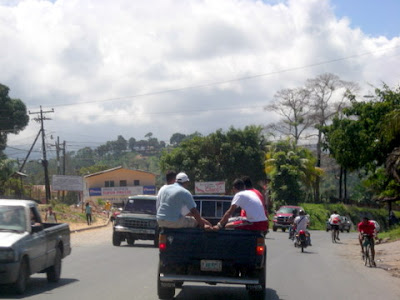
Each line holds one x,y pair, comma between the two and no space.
208,279
277,225
123,229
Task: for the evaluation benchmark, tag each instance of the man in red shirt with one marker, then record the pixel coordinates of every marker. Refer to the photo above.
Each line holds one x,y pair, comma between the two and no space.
367,227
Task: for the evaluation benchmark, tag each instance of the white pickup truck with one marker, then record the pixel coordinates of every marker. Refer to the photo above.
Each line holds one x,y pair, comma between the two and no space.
28,246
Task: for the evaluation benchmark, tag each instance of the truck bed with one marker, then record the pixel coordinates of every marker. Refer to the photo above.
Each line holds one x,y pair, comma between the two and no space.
226,256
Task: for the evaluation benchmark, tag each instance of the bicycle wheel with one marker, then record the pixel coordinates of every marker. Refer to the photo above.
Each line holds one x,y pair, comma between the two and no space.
367,255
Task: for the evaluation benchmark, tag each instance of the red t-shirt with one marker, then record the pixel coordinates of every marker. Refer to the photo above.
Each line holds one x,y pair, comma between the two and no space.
367,227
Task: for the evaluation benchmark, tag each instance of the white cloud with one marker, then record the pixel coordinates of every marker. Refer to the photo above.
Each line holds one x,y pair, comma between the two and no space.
79,53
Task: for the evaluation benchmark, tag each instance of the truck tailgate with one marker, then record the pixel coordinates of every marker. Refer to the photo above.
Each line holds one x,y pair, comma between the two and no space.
190,244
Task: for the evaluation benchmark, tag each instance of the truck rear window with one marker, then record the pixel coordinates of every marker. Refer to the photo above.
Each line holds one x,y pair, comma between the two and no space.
12,218
141,206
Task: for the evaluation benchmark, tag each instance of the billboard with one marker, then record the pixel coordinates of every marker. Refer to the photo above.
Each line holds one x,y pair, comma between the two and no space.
210,187
67,183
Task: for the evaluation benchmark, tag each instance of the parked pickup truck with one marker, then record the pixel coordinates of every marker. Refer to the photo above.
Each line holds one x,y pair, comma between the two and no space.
224,256
137,221
28,246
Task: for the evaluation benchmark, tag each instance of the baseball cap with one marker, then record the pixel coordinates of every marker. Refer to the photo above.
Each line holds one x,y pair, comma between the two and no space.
182,177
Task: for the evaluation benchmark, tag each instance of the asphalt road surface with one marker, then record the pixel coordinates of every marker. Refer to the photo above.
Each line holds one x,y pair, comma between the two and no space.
98,270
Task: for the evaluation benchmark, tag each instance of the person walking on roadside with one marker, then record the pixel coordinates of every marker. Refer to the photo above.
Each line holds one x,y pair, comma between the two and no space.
88,211
107,208
50,216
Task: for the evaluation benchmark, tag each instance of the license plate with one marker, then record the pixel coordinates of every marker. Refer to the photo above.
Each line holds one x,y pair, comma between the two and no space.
211,265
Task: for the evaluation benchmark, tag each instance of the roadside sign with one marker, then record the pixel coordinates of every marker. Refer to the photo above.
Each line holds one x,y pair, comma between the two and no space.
67,183
210,187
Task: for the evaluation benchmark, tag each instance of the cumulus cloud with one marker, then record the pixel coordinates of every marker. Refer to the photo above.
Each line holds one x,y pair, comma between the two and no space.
131,67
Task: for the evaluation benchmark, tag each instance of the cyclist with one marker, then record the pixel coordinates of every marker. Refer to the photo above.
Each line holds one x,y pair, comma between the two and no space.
334,221
377,229
367,227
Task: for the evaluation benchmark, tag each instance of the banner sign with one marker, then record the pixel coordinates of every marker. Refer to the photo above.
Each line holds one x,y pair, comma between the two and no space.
122,191
149,190
67,183
210,187
95,192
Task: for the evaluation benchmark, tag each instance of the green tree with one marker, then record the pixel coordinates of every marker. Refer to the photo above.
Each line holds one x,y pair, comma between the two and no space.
367,137
219,156
292,172
13,116
7,168
177,138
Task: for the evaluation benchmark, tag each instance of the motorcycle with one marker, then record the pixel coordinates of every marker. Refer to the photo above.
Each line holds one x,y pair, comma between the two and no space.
301,240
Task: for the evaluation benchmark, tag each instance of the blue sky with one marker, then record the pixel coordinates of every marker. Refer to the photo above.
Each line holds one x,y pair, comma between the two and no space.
371,16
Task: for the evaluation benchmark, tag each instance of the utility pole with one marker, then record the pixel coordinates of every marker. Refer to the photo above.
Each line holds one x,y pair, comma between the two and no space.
63,170
40,119
58,162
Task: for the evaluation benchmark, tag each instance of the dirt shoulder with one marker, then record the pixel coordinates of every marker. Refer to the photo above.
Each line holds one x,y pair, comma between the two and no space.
387,255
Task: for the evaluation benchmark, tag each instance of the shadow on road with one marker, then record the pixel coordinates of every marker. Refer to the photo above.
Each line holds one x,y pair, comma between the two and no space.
36,286
138,246
219,292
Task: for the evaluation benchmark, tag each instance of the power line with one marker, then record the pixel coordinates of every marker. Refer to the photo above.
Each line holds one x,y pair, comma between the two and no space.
229,80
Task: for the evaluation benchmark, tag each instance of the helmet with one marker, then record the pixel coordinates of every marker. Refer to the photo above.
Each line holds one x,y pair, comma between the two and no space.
301,212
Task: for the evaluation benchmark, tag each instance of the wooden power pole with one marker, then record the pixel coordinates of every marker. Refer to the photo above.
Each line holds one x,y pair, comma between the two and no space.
40,119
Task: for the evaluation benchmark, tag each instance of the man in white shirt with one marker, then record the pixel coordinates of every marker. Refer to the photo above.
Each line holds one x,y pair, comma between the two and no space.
301,222
248,200
334,221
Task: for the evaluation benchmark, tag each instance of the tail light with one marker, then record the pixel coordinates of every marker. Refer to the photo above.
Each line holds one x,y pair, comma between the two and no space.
162,242
260,248
302,232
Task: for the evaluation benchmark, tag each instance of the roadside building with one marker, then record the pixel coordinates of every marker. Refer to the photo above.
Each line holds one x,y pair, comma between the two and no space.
117,184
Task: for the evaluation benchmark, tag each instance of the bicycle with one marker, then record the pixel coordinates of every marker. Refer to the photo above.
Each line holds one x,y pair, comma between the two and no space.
334,234
367,250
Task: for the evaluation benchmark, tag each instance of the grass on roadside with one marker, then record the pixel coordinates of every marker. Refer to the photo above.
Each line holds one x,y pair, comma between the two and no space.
393,234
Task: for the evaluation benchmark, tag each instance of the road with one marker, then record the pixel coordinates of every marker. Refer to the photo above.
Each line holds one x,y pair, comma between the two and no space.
98,270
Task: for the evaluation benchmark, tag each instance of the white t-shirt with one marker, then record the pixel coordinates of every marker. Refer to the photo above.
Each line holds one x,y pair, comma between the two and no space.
301,223
377,227
249,201
334,219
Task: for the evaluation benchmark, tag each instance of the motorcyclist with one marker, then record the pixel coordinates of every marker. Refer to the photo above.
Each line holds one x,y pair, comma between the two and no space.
301,222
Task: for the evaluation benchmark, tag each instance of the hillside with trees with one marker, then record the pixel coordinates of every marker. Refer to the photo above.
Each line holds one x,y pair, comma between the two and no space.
329,146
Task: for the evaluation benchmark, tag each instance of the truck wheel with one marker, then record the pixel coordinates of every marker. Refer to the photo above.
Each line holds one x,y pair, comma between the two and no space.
262,280
274,228
54,272
116,240
23,277
164,292
130,241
